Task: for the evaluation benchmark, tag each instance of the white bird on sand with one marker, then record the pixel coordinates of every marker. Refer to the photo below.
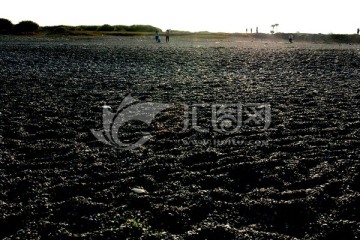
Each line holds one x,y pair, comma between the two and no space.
139,190
106,107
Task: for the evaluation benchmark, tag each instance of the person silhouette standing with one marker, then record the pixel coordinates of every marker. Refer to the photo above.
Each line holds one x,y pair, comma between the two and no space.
358,31
291,37
157,37
167,35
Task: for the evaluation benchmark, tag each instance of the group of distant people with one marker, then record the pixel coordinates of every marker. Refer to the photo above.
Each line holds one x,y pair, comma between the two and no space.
251,30
291,37
158,38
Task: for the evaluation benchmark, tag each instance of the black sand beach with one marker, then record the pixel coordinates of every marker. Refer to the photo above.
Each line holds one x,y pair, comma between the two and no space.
297,179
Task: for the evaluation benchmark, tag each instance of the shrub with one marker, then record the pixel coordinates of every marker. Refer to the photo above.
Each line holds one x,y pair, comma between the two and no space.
61,30
142,28
87,28
26,27
5,26
106,27
121,28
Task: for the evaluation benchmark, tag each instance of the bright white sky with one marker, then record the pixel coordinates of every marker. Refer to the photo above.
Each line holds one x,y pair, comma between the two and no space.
310,16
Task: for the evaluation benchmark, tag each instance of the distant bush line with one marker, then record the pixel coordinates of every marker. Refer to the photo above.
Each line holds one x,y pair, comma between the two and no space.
105,28
23,27
29,27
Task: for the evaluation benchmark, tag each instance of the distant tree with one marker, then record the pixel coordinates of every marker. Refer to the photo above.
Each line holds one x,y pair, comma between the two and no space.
5,26
273,27
276,26
26,27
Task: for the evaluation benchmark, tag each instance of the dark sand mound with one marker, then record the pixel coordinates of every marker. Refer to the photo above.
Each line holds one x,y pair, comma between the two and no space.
298,179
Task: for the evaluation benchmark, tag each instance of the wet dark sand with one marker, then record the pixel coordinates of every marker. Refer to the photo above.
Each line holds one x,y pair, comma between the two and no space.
298,179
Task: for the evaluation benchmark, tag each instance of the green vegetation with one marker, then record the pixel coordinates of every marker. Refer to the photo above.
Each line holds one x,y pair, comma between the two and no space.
136,228
135,224
119,28
142,28
5,26
57,30
106,29
87,28
30,27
